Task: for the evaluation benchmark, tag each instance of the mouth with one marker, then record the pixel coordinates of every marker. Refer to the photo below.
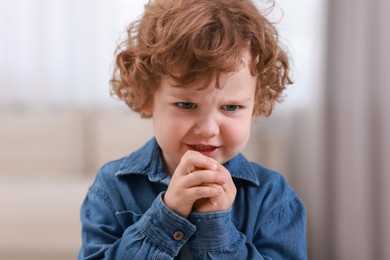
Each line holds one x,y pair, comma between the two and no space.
204,149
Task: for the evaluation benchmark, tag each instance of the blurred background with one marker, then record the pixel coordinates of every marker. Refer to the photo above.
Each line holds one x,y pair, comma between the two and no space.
58,123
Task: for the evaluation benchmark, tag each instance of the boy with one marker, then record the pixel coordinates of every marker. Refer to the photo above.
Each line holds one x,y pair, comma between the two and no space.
202,70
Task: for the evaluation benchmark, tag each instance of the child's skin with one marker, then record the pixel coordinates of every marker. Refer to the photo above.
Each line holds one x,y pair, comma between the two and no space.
198,131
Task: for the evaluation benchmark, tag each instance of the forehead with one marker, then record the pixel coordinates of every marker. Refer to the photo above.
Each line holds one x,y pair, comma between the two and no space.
240,84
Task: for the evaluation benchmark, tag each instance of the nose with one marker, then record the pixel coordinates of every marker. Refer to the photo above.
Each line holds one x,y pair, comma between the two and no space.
207,126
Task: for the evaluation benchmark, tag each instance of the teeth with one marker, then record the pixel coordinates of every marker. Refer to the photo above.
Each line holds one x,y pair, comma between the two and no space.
203,147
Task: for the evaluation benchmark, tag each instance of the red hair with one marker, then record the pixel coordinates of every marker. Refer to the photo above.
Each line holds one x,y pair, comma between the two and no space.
196,40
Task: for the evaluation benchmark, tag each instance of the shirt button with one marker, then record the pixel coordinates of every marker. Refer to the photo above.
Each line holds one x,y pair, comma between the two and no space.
178,235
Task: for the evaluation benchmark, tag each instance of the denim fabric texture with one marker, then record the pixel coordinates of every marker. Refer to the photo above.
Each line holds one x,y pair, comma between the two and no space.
124,217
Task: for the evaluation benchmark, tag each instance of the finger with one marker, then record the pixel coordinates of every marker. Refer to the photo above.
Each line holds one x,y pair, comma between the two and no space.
205,176
229,187
193,161
213,200
204,202
200,192
222,169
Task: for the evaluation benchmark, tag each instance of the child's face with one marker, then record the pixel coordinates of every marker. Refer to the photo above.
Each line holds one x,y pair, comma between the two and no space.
215,122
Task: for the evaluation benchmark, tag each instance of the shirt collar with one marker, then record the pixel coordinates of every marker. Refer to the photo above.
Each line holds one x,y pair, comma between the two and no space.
148,161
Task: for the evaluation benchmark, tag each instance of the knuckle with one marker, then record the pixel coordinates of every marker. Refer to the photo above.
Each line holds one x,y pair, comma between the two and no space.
199,191
189,153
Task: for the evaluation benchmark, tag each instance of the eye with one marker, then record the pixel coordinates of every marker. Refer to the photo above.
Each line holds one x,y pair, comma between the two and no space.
186,105
231,108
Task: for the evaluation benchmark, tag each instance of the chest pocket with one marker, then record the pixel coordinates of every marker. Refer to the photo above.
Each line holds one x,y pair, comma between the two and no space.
127,218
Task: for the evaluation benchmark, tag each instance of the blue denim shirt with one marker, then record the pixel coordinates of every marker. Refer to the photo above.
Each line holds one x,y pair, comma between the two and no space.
124,217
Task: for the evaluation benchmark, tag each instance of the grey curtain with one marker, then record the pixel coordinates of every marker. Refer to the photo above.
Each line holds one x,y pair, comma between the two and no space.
356,166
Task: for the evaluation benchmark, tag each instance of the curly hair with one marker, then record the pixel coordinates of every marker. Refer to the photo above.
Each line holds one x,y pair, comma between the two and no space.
196,41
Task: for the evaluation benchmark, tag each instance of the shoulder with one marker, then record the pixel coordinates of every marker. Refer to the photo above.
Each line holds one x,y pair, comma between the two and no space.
279,198
105,184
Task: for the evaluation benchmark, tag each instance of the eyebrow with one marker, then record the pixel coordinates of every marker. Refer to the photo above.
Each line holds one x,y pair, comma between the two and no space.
180,94
185,95
238,100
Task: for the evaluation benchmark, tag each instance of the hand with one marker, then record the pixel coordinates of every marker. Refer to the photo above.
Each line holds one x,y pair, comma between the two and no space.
195,177
221,202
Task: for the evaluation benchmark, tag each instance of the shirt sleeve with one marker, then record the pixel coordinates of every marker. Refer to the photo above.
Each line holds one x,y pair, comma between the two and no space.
157,234
281,236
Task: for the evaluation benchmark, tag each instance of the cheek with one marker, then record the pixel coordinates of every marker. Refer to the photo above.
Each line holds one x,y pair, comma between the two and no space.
238,132
169,126
235,137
